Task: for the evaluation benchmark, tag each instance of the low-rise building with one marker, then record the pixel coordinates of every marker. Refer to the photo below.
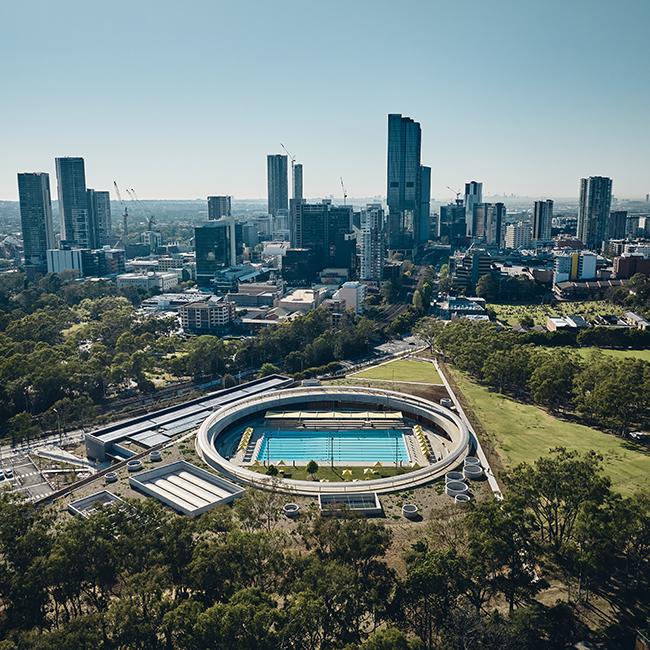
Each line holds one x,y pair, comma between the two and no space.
214,315
353,295
303,300
636,321
152,281
575,266
555,323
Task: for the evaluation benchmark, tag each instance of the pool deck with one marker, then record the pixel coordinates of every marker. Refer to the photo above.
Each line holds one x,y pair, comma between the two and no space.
416,457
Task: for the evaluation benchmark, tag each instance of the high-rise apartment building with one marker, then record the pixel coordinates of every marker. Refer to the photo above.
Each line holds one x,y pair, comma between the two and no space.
373,243
542,220
99,218
277,188
593,212
326,229
219,206
404,183
517,235
617,227
35,218
489,223
296,199
73,201
473,196
216,248
425,205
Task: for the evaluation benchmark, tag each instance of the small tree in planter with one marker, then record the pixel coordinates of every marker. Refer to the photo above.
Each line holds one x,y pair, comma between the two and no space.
312,469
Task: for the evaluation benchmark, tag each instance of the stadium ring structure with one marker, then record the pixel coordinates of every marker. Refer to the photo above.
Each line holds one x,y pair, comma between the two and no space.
435,416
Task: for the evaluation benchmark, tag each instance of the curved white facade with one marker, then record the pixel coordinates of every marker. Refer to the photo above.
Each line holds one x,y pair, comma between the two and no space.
414,407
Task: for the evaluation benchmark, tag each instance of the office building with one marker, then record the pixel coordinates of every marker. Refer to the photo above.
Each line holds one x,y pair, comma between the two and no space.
73,202
617,227
277,189
452,228
424,231
372,243
517,235
465,269
299,266
352,294
593,211
404,178
210,316
219,206
326,229
35,219
473,196
542,220
489,223
574,266
61,260
216,248
151,281
99,218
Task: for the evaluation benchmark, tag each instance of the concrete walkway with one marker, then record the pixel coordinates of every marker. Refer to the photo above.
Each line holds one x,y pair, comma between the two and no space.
494,485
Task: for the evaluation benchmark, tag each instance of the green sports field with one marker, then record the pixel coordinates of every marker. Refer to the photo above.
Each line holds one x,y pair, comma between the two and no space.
402,370
522,433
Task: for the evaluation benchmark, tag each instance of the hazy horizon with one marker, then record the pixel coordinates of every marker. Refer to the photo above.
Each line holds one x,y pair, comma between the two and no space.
180,102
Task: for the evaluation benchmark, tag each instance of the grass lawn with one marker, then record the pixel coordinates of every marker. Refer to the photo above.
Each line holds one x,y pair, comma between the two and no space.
643,355
522,432
334,474
512,314
402,370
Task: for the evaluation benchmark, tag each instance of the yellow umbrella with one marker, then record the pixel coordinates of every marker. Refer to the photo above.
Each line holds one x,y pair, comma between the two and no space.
347,472
378,464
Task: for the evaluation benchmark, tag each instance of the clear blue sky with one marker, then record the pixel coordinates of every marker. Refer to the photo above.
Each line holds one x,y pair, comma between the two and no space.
183,99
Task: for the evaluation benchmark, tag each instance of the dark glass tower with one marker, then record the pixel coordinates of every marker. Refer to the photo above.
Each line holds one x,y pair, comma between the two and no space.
216,248
404,189
326,230
73,202
36,218
593,212
99,218
219,206
542,220
277,185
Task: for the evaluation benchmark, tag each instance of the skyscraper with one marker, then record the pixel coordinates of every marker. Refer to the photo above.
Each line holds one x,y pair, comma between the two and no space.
216,248
277,188
326,229
295,200
219,206
373,243
473,196
404,190
542,220
36,218
593,212
73,202
425,205
297,182
489,223
99,218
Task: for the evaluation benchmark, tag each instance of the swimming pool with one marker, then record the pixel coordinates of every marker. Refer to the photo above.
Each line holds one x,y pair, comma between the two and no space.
341,446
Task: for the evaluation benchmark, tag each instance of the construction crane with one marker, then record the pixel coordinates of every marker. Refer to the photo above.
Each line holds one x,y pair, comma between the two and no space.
292,158
458,193
345,195
125,216
151,219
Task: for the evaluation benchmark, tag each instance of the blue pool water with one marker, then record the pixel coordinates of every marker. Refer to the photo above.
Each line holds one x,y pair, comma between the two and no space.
349,445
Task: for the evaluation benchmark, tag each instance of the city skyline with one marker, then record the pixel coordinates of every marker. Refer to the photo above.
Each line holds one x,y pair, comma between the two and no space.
159,125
